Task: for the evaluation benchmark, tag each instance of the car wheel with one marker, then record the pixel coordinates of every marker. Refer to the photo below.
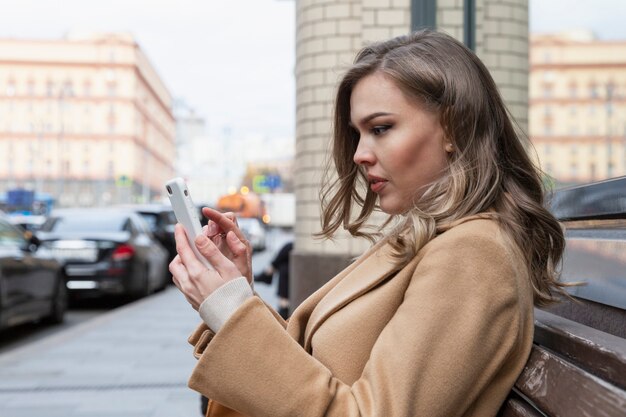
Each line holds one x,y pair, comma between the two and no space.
59,304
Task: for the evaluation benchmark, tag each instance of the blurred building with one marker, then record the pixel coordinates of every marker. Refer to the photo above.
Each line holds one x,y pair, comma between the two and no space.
86,119
578,106
328,35
216,164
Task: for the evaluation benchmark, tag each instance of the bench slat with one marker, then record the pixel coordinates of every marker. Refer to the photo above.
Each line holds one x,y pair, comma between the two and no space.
561,389
514,407
596,352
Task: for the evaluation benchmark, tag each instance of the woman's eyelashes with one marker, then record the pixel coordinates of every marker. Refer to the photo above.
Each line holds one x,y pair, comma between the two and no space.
377,130
380,129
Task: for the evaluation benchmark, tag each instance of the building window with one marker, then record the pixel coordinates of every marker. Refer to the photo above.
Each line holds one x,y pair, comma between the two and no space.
593,90
10,90
112,87
547,111
573,110
547,91
573,90
547,129
68,88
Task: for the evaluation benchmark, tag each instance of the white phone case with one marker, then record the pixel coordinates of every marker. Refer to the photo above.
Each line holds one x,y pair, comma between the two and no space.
186,213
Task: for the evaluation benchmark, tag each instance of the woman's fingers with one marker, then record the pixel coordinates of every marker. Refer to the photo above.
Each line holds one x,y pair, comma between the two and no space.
225,223
191,263
224,267
240,255
178,271
236,246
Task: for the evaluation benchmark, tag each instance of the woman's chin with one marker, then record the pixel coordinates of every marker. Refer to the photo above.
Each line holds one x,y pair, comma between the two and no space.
391,208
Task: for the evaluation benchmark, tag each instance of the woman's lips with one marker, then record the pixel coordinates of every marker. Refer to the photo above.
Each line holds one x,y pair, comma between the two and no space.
377,185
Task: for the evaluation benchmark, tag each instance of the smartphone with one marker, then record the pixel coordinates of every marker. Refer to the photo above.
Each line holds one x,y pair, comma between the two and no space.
186,213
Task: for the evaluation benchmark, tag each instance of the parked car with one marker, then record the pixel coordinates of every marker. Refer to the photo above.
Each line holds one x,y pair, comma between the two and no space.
106,252
254,231
31,222
32,286
161,221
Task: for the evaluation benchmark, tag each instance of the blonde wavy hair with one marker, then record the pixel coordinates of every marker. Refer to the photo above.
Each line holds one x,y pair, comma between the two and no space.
489,171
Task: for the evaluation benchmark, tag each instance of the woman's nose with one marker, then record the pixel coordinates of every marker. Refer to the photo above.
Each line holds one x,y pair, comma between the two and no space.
364,155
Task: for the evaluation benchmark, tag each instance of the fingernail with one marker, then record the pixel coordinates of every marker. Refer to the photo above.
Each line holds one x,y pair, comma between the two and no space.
232,236
213,230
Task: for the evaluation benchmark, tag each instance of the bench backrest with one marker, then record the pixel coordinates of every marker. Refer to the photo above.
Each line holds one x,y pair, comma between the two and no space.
573,370
578,363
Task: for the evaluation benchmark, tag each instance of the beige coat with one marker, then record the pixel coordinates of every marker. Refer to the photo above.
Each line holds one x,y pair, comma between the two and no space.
445,336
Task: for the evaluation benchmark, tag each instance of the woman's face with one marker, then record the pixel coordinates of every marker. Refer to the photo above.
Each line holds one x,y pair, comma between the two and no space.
401,145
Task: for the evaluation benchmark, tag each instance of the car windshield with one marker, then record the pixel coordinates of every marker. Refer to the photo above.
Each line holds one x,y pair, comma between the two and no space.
79,222
151,219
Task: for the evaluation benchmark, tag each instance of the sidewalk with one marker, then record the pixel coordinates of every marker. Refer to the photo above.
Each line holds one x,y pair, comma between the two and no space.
131,362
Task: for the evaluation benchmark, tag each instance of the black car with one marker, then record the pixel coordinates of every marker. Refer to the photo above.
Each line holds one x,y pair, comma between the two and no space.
106,252
161,220
32,286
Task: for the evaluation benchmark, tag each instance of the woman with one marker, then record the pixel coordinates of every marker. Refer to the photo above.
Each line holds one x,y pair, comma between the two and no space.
436,319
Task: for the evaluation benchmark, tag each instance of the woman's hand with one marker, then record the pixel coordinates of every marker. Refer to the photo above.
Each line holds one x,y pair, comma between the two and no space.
194,279
218,228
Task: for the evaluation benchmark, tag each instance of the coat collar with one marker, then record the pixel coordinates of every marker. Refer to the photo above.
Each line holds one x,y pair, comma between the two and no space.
373,267
367,272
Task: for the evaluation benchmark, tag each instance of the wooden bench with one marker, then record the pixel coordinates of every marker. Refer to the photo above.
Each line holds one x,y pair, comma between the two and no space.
573,370
578,363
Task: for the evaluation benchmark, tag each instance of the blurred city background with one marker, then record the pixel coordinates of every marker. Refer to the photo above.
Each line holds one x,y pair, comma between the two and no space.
102,102
100,107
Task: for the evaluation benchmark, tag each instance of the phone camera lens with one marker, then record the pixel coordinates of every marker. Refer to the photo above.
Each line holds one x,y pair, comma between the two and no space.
186,193
169,189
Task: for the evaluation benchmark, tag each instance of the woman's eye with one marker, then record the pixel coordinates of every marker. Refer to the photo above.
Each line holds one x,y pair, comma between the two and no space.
379,130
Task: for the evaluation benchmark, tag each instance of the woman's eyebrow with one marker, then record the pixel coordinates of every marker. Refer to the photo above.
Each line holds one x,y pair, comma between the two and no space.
370,117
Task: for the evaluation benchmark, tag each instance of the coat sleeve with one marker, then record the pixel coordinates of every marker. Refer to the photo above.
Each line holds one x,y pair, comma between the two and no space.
455,329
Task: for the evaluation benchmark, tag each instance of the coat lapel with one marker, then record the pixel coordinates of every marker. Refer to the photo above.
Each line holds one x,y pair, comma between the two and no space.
369,271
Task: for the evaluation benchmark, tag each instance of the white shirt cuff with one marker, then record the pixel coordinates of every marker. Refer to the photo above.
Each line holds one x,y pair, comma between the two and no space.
217,308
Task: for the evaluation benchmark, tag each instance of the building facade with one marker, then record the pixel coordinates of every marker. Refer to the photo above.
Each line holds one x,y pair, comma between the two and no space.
86,119
328,35
578,106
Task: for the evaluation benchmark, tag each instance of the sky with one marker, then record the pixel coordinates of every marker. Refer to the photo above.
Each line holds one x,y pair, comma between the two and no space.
233,60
